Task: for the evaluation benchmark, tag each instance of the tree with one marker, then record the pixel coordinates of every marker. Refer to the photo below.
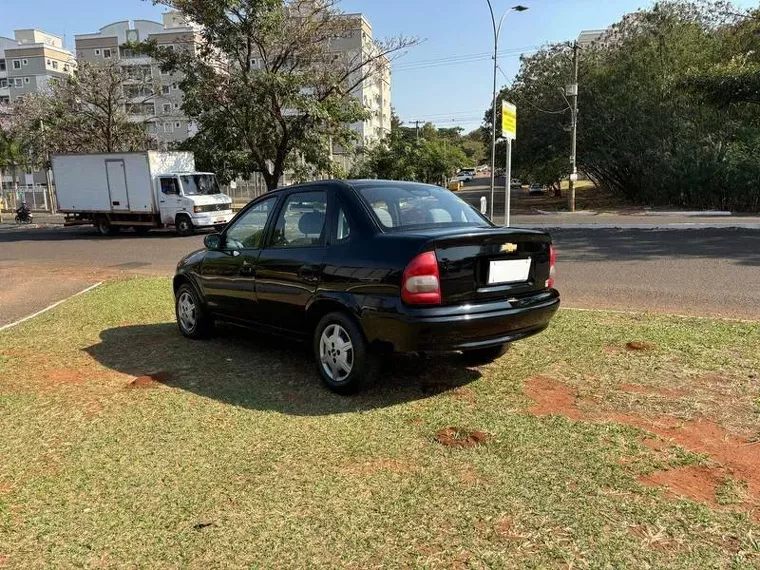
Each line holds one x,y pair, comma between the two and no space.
431,158
655,125
92,111
271,85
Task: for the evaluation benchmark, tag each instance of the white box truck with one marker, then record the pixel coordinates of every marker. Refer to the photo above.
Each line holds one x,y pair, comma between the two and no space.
141,190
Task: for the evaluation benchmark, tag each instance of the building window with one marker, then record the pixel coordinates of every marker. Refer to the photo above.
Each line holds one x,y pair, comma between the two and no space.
3,83
176,105
168,128
18,82
2,65
5,100
106,54
97,52
16,64
165,89
55,65
167,108
65,66
151,128
25,61
177,125
26,80
49,63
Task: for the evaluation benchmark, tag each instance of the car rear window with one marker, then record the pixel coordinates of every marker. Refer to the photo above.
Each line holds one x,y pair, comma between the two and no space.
408,205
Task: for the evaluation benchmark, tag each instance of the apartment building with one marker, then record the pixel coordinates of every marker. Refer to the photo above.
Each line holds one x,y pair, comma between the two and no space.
153,97
30,61
374,90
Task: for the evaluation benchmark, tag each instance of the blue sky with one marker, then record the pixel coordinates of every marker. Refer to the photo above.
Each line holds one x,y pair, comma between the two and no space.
439,91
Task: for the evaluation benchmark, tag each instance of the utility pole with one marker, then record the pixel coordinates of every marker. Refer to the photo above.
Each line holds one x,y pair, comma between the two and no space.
574,143
417,130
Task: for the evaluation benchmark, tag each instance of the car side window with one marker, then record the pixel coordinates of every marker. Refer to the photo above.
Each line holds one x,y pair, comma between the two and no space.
169,186
247,232
342,227
301,221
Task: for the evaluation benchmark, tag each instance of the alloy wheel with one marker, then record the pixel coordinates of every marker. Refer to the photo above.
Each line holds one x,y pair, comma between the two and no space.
336,352
187,311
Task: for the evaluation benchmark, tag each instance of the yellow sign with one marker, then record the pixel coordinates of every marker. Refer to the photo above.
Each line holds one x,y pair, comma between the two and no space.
508,120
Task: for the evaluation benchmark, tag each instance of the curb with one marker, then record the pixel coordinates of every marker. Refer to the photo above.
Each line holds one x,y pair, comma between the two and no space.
46,309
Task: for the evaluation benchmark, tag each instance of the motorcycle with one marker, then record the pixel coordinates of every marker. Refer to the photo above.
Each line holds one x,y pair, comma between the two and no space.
23,216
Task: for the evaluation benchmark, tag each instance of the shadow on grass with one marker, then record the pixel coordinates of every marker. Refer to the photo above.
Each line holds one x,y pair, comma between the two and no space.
249,370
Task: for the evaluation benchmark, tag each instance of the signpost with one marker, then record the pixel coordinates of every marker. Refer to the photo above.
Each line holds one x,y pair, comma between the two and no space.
509,132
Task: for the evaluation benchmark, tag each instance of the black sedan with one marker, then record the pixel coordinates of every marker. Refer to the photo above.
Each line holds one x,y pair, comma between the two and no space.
366,267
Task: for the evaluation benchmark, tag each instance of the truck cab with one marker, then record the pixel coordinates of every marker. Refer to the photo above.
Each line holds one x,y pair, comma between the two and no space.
190,200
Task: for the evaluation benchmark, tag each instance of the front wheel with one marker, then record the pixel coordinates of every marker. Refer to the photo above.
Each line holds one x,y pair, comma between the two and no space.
193,318
344,361
17,219
478,356
184,225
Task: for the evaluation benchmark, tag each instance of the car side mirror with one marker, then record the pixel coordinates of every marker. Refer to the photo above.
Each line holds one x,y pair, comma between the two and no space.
213,242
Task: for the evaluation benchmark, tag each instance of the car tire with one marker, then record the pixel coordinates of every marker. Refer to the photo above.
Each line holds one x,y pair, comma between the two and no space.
344,361
184,225
193,319
479,356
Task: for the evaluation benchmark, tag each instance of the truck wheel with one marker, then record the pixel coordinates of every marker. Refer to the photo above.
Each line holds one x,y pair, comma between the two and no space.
184,225
104,227
344,360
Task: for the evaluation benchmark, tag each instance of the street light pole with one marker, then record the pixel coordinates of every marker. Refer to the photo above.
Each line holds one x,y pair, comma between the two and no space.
574,138
496,34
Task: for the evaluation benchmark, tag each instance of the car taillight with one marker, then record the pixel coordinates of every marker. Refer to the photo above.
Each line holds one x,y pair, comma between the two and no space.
421,284
552,268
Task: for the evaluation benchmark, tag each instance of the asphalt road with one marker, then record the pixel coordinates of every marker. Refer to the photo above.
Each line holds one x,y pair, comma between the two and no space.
704,272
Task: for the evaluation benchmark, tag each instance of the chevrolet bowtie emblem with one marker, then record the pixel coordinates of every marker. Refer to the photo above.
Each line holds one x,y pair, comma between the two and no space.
509,247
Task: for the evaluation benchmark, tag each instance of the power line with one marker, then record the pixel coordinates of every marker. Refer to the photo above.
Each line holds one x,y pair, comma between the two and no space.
537,108
472,58
487,55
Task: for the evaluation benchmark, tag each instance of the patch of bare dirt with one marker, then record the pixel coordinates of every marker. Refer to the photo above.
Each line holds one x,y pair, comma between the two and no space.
638,346
732,455
150,380
551,398
694,482
5,487
64,376
3,560
647,390
368,468
458,437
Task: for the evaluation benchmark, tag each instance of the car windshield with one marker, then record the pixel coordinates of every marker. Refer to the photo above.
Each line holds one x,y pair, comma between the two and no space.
405,205
195,184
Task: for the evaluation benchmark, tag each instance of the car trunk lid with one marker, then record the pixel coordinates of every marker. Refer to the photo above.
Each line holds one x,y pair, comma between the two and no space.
482,264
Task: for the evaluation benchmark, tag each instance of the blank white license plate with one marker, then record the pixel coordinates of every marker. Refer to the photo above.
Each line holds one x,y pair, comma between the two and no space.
509,271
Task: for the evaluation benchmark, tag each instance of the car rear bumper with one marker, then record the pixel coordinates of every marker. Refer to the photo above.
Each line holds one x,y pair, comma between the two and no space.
462,327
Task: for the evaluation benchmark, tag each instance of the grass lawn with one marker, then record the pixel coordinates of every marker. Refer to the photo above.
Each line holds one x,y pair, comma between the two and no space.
124,445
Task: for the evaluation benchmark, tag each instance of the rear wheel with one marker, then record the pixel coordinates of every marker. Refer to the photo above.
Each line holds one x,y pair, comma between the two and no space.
184,225
486,355
104,227
344,361
193,318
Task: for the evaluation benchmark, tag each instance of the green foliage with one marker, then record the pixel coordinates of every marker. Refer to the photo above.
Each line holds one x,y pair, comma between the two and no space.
272,85
432,155
668,111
